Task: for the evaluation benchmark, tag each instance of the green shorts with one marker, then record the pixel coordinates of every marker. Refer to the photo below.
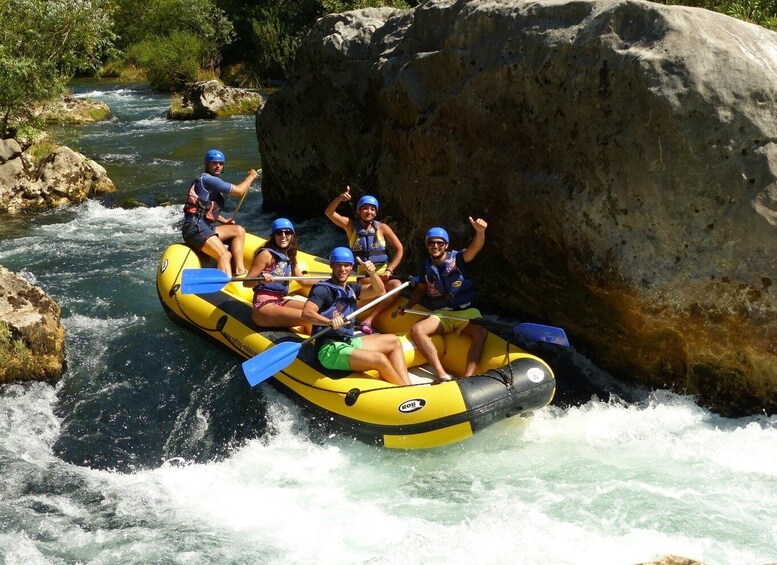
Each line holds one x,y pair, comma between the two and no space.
336,354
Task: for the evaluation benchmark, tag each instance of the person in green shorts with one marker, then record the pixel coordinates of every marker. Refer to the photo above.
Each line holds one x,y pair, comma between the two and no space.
444,284
330,302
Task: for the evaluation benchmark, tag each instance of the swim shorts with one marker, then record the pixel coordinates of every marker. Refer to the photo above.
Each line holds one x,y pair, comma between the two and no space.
449,325
336,354
195,232
268,297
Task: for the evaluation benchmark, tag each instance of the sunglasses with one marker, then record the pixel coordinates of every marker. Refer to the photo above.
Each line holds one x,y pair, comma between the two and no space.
287,233
435,243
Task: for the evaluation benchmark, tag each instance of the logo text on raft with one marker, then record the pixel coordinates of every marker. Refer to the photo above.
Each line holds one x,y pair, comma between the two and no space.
535,375
412,405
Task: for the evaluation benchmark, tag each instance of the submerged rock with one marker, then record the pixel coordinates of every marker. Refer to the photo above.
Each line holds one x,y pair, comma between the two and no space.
623,152
212,99
32,339
673,560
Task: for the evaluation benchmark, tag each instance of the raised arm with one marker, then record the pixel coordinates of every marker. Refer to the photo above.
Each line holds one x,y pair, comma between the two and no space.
241,188
332,214
376,287
478,240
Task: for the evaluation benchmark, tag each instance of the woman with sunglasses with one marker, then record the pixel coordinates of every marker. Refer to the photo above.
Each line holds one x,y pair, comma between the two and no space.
202,209
444,284
367,239
276,258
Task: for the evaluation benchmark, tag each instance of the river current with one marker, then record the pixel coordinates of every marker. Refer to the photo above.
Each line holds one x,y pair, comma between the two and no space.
152,448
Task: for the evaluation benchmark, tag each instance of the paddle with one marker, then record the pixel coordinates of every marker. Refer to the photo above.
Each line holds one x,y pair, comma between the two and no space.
537,332
203,281
266,364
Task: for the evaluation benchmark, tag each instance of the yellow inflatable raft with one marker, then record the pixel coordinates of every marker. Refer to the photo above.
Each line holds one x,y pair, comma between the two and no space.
509,382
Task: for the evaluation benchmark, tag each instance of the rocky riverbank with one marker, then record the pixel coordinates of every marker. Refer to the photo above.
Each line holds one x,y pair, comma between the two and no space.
35,176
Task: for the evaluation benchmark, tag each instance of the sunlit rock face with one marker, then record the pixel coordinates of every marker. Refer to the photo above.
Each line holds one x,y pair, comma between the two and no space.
63,177
32,338
212,99
624,154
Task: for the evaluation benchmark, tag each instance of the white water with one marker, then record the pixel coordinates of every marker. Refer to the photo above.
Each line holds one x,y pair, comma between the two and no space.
602,483
118,464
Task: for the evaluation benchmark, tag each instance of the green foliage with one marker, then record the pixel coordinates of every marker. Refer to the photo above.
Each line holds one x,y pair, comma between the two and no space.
42,44
243,108
336,6
41,149
274,41
11,350
761,12
139,21
171,61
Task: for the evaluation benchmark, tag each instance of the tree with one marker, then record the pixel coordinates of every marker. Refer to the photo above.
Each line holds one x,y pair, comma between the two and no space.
150,21
42,44
171,61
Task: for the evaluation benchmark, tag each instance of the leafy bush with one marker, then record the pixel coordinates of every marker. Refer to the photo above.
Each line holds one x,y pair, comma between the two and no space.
171,61
12,350
275,40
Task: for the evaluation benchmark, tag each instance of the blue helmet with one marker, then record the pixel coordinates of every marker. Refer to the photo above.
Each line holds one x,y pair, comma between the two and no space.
341,255
437,232
215,155
367,199
280,224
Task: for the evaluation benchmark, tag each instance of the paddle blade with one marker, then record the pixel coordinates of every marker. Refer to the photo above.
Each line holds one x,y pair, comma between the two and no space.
539,332
266,364
202,281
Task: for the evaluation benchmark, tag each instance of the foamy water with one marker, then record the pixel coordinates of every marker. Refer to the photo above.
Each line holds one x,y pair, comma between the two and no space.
585,485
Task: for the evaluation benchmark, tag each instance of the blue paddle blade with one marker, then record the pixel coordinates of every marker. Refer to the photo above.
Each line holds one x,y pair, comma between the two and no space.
266,364
203,281
539,332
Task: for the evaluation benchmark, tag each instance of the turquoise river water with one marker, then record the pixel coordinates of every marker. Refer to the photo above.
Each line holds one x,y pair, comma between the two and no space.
152,448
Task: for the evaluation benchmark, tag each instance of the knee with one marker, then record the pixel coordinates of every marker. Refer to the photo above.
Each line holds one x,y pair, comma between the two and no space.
417,332
241,231
224,253
383,361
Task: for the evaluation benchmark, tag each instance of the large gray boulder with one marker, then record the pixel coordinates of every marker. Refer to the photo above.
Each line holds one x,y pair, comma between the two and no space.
32,339
623,152
63,177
